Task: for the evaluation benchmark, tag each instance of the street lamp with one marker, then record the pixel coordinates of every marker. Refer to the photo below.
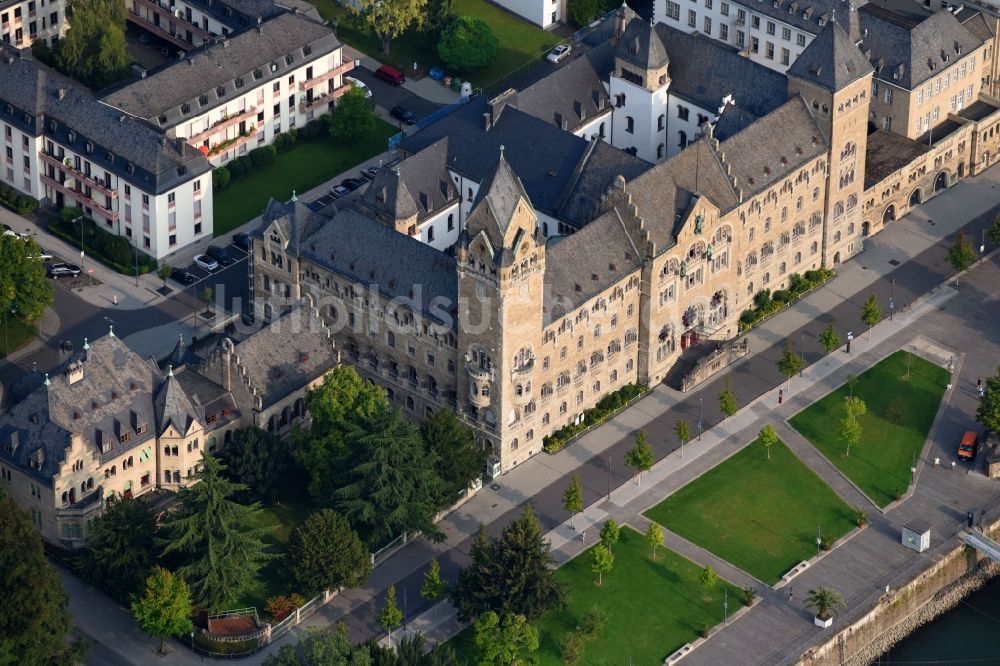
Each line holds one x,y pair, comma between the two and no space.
609,477
819,539
982,243
725,607
892,299
701,409
913,468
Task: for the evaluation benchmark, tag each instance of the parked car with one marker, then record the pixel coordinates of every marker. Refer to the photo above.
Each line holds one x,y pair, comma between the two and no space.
57,271
338,191
206,262
242,241
220,255
183,276
353,183
969,446
390,75
369,172
359,84
44,256
559,53
402,113
11,232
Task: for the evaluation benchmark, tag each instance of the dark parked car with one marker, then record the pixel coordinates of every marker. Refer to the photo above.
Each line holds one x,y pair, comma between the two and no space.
182,276
62,270
220,255
338,191
369,172
402,113
353,183
242,241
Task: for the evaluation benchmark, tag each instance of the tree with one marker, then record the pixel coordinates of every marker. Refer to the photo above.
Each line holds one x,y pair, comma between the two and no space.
163,272
459,461
610,533
323,646
509,574
571,648
165,607
343,398
962,254
389,485
654,537
727,400
434,586
850,432
829,339
390,617
994,231
871,313
324,553
120,549
824,601
24,289
504,642
683,433
34,620
206,295
221,552
279,607
790,363
573,497
582,12
390,18
602,561
353,116
768,438
640,457
260,461
93,50
708,577
855,407
988,411
468,43
438,15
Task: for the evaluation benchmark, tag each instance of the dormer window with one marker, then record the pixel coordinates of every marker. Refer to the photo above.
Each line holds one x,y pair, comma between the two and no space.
71,136
239,82
289,59
257,75
203,100
141,428
90,147
307,50
130,168
185,108
220,91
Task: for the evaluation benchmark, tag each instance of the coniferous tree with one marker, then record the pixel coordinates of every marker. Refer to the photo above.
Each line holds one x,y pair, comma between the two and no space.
259,460
458,460
325,553
221,552
120,548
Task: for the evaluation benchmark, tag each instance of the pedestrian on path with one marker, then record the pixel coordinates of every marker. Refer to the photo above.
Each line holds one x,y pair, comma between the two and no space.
790,595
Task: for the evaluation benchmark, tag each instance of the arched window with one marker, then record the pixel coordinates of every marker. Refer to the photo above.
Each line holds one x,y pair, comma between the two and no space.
682,139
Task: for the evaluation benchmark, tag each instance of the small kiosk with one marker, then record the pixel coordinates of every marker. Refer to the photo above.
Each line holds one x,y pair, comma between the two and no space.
917,535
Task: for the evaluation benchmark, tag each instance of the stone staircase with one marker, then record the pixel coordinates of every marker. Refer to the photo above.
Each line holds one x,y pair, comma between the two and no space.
687,362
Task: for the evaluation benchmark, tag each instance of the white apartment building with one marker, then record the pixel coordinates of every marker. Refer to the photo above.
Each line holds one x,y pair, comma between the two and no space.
64,147
543,13
239,93
25,21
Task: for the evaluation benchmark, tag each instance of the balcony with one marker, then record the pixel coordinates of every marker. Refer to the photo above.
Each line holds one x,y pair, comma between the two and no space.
81,197
336,71
89,180
222,125
523,399
524,369
479,374
167,17
476,397
87,505
235,142
306,106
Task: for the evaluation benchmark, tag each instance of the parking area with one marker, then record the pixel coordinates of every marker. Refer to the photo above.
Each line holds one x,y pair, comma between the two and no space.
387,96
199,274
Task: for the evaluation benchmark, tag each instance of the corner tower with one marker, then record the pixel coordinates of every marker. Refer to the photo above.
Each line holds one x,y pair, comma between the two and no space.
638,86
501,275
835,80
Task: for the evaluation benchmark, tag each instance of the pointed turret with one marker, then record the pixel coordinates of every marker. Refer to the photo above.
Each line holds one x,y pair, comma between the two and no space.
641,46
388,200
832,60
500,204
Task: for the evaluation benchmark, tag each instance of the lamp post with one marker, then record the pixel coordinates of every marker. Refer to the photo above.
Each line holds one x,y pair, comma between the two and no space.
701,410
819,539
982,243
609,477
725,607
802,352
913,468
892,299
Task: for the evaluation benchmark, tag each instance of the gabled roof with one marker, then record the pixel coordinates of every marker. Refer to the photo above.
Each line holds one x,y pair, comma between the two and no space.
174,407
388,196
640,45
574,94
427,179
293,219
831,61
496,202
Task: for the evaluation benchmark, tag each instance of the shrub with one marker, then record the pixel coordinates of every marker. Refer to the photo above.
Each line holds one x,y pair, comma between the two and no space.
571,649
261,157
592,623
236,169
220,178
100,243
282,606
246,162
762,298
605,409
22,204
118,249
781,296
69,214
797,284
284,141
468,43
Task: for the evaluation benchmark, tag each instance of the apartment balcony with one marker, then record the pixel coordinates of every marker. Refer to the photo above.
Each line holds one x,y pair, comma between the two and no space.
222,125
322,78
235,142
524,370
523,399
87,505
171,27
306,106
157,30
66,188
477,399
93,182
479,374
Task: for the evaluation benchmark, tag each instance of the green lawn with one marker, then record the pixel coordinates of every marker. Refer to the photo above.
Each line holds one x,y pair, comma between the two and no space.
278,521
520,42
900,414
303,167
759,514
15,335
653,607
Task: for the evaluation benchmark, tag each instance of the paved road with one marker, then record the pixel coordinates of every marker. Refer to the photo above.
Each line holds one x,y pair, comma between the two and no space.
388,96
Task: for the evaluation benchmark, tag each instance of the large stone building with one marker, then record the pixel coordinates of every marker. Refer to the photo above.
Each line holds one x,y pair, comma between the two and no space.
111,424
578,267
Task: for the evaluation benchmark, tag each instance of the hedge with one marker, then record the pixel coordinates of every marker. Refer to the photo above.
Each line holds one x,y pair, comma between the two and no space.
264,156
767,303
606,407
112,250
22,204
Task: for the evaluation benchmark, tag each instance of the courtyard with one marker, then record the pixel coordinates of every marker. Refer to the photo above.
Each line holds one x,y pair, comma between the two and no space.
901,406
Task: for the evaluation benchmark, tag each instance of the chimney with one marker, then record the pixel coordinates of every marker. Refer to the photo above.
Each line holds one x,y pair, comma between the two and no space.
487,121
14,441
179,143
559,120
62,94
425,202
74,372
227,370
498,103
578,109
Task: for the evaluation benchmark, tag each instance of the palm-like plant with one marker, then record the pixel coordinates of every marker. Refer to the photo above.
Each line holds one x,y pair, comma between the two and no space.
860,514
824,600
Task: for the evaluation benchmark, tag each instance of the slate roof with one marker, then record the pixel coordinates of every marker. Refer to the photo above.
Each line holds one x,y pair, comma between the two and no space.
288,354
581,200
809,16
907,54
253,57
574,93
585,263
42,101
976,23
640,45
388,196
427,179
294,219
361,249
831,60
116,393
733,119
705,71
173,407
886,153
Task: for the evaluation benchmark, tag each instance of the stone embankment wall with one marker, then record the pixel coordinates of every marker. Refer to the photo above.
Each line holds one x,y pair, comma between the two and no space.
937,589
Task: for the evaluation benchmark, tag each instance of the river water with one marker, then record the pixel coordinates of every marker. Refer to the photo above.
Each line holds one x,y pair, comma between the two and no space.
968,635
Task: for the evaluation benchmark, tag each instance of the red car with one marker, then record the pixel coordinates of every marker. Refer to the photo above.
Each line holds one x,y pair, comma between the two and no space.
969,445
